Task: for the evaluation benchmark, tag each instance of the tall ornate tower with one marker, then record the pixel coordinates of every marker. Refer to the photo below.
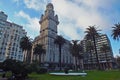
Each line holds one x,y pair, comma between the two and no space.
49,22
48,33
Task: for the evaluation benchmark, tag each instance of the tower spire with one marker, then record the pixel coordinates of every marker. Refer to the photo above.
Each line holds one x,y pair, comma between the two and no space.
49,6
49,14
49,20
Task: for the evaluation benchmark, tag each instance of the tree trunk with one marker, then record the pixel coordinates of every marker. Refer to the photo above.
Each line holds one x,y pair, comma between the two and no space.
98,64
75,64
60,57
39,58
82,64
24,55
106,60
28,56
91,59
36,57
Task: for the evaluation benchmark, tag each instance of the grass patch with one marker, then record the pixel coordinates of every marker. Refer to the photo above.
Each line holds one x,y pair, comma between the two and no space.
92,75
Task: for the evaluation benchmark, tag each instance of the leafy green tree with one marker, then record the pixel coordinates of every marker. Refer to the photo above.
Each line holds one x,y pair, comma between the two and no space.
16,67
118,61
59,41
116,31
80,55
25,45
92,34
105,48
75,49
89,49
34,66
7,65
39,50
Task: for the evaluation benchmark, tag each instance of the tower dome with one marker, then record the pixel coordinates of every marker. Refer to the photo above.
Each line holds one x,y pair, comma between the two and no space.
49,6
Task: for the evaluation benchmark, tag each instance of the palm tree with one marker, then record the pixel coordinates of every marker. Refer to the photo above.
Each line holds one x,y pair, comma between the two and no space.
116,31
80,55
25,45
92,34
75,51
59,41
89,49
38,51
118,61
105,48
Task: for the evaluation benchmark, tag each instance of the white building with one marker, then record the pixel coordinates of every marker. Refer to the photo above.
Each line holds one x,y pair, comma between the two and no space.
10,35
90,61
48,33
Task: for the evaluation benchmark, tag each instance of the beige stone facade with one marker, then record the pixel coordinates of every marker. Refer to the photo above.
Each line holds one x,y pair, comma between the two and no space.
48,33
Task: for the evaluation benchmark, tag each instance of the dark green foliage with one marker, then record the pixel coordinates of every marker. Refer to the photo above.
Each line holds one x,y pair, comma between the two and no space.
17,68
60,42
105,48
25,43
116,31
75,48
42,71
77,51
89,49
92,34
0,65
38,51
8,65
66,70
34,66
89,46
118,61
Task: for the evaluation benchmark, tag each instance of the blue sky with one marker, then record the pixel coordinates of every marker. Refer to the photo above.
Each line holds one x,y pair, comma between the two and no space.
74,16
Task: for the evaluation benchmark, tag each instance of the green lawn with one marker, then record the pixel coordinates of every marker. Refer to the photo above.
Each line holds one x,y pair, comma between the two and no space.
92,75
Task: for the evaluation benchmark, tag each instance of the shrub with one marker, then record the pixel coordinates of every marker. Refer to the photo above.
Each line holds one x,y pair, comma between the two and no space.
34,67
66,70
16,67
42,71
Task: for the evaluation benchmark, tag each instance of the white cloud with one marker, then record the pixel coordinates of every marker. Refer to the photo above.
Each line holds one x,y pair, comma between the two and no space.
69,31
80,14
36,4
33,4
31,25
75,14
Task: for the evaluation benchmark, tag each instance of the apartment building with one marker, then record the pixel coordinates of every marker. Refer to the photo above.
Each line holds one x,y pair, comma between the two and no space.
90,61
10,35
